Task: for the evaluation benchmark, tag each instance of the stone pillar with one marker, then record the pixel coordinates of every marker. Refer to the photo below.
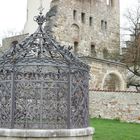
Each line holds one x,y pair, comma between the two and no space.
61,134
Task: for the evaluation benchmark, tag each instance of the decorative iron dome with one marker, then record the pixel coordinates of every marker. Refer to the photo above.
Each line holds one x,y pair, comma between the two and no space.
42,85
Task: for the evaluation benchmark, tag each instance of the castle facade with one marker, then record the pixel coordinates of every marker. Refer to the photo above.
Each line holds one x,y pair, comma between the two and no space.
92,28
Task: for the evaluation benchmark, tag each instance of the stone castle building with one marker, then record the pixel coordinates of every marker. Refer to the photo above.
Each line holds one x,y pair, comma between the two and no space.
92,28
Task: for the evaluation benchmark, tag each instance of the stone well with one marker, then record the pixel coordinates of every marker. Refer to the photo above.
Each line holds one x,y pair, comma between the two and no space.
43,91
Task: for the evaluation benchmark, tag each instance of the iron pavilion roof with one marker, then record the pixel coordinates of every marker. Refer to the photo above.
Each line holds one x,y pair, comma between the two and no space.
40,47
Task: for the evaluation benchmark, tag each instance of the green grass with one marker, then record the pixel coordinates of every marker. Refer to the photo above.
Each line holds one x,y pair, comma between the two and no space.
115,130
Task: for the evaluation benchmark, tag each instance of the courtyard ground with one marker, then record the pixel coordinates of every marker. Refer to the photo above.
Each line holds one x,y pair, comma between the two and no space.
115,130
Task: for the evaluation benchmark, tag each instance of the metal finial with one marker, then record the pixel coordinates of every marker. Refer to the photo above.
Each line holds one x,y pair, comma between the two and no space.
41,7
40,19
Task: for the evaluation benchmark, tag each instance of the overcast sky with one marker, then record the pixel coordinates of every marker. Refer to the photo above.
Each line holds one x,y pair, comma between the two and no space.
13,14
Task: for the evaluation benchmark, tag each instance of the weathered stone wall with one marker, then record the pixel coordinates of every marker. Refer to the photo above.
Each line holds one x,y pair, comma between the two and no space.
115,105
101,69
101,25
69,30
7,42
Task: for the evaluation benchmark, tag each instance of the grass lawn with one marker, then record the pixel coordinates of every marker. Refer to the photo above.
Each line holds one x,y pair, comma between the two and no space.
115,130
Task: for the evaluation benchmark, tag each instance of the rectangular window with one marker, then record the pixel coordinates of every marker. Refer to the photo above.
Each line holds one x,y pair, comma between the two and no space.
74,14
83,17
93,52
107,2
111,3
105,25
90,21
75,47
102,24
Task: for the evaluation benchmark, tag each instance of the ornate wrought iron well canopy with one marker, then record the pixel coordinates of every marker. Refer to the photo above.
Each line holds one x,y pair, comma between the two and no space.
42,85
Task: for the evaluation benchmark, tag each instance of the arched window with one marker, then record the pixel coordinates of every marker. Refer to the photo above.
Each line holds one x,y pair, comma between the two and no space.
75,31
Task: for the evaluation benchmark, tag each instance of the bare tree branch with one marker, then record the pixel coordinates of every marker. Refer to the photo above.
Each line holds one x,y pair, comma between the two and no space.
132,57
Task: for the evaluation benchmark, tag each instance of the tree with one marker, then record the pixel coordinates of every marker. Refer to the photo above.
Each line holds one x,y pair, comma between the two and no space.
132,56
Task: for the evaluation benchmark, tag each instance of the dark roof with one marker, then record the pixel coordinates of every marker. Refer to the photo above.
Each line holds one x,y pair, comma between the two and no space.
40,47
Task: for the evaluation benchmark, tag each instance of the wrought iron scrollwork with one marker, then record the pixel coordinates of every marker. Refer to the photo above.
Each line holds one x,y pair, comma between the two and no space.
42,85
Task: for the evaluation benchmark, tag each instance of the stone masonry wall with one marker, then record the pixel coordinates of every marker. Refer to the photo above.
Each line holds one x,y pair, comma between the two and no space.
115,105
101,69
69,30
99,27
7,42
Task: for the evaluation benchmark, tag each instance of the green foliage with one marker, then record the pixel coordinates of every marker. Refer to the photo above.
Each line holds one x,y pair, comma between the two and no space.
115,130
